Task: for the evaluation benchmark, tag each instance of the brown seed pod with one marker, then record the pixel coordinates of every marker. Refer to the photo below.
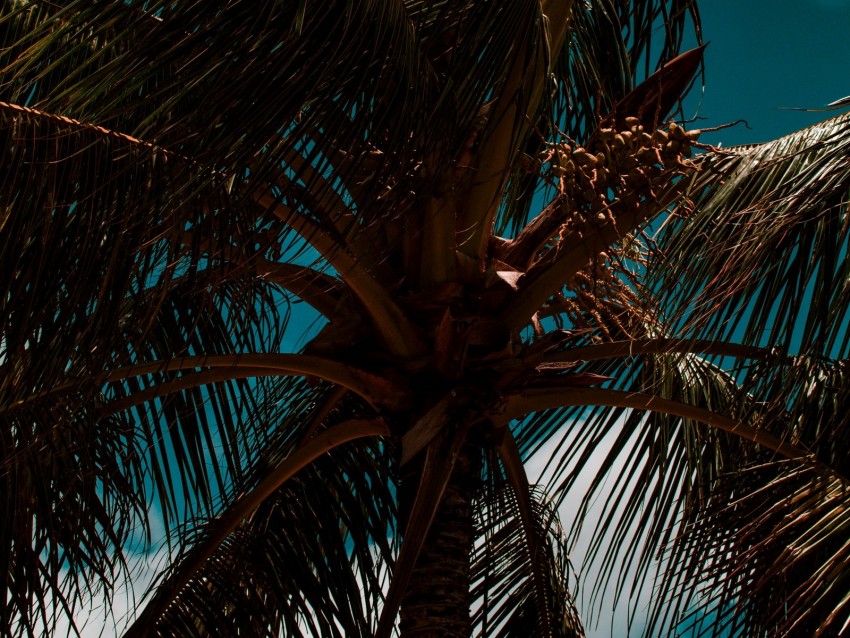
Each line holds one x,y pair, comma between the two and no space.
677,132
584,158
646,156
672,147
606,134
636,178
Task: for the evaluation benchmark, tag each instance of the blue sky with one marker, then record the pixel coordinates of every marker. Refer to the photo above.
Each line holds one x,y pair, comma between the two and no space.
768,54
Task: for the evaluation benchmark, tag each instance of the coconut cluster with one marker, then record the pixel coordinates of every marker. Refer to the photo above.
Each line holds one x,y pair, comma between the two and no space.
619,171
617,167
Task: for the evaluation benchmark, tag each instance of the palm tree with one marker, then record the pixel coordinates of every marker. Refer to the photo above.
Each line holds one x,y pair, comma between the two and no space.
495,239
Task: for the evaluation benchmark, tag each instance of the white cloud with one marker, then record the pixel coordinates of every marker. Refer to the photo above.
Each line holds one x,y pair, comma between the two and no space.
102,620
609,619
100,617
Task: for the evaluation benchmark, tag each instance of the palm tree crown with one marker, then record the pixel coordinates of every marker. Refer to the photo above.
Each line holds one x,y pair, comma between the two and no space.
495,234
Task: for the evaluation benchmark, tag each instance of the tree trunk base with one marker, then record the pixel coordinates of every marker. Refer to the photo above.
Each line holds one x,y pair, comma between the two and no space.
437,599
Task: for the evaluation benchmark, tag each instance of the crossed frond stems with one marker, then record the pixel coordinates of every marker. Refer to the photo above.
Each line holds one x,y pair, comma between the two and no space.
398,333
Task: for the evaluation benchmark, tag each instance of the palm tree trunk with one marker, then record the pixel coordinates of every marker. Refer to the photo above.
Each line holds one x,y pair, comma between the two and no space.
437,600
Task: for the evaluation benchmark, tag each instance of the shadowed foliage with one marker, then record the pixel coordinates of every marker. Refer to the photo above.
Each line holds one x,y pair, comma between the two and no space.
307,285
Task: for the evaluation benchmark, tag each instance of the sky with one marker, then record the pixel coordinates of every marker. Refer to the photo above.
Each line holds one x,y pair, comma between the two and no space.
762,55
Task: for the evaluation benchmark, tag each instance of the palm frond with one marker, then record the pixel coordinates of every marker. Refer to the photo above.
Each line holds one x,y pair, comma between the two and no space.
92,62
649,470
63,442
687,512
503,563
783,528
324,575
782,203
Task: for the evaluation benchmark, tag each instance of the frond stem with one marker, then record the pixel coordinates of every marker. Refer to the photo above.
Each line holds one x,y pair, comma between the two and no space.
532,400
399,334
244,507
375,389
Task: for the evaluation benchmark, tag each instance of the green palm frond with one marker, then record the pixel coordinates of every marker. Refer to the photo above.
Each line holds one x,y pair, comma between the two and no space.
71,506
785,528
614,45
683,491
92,62
82,476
